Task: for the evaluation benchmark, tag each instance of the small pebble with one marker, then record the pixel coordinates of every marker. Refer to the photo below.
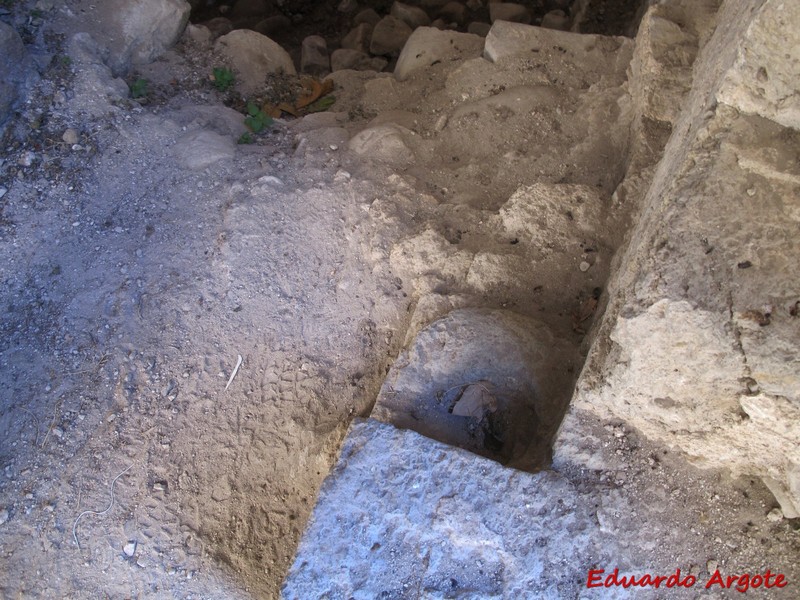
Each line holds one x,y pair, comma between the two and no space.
775,515
130,548
26,160
3,516
584,266
70,136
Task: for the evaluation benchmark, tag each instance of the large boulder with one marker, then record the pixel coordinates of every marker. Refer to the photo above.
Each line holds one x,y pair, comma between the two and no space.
428,46
253,56
139,32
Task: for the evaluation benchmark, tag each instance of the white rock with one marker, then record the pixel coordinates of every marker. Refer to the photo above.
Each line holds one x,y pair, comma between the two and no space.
662,66
428,45
253,56
3,516
70,136
138,32
775,515
200,148
130,548
763,80
385,143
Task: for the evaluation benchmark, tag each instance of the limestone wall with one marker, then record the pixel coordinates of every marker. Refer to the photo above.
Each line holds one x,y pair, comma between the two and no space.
699,345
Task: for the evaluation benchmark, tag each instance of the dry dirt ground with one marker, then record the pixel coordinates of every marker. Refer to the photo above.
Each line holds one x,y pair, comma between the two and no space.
184,340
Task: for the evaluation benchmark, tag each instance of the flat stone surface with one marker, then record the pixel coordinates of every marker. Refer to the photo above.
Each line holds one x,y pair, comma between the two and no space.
403,516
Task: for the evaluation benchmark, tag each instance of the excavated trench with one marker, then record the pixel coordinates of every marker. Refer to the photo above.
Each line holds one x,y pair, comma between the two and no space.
493,363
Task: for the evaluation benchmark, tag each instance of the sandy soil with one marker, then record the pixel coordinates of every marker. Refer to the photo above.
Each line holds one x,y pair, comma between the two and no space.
183,343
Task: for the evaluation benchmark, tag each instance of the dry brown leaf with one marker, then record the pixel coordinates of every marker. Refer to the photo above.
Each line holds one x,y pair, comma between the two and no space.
316,91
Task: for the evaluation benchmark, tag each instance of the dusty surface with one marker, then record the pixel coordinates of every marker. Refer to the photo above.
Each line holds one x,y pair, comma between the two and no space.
141,260
402,516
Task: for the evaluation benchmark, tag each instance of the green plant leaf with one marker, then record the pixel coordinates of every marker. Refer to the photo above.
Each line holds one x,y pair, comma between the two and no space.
223,78
139,88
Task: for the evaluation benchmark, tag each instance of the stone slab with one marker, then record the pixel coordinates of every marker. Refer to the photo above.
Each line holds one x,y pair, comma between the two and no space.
403,516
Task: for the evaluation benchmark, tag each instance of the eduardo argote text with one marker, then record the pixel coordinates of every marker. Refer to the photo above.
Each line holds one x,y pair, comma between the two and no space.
600,578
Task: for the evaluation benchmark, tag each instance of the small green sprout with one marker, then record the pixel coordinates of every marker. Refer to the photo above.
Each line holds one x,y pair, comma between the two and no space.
257,119
139,88
223,78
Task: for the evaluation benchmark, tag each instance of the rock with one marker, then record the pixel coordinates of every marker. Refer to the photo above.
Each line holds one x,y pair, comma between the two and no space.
412,16
358,38
70,136
584,266
662,67
16,70
556,19
198,34
453,12
199,149
596,54
402,491
389,36
139,32
273,25
219,26
763,79
428,45
368,16
129,549
535,214
507,11
478,28
428,261
775,515
253,56
3,516
384,143
344,58
314,56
